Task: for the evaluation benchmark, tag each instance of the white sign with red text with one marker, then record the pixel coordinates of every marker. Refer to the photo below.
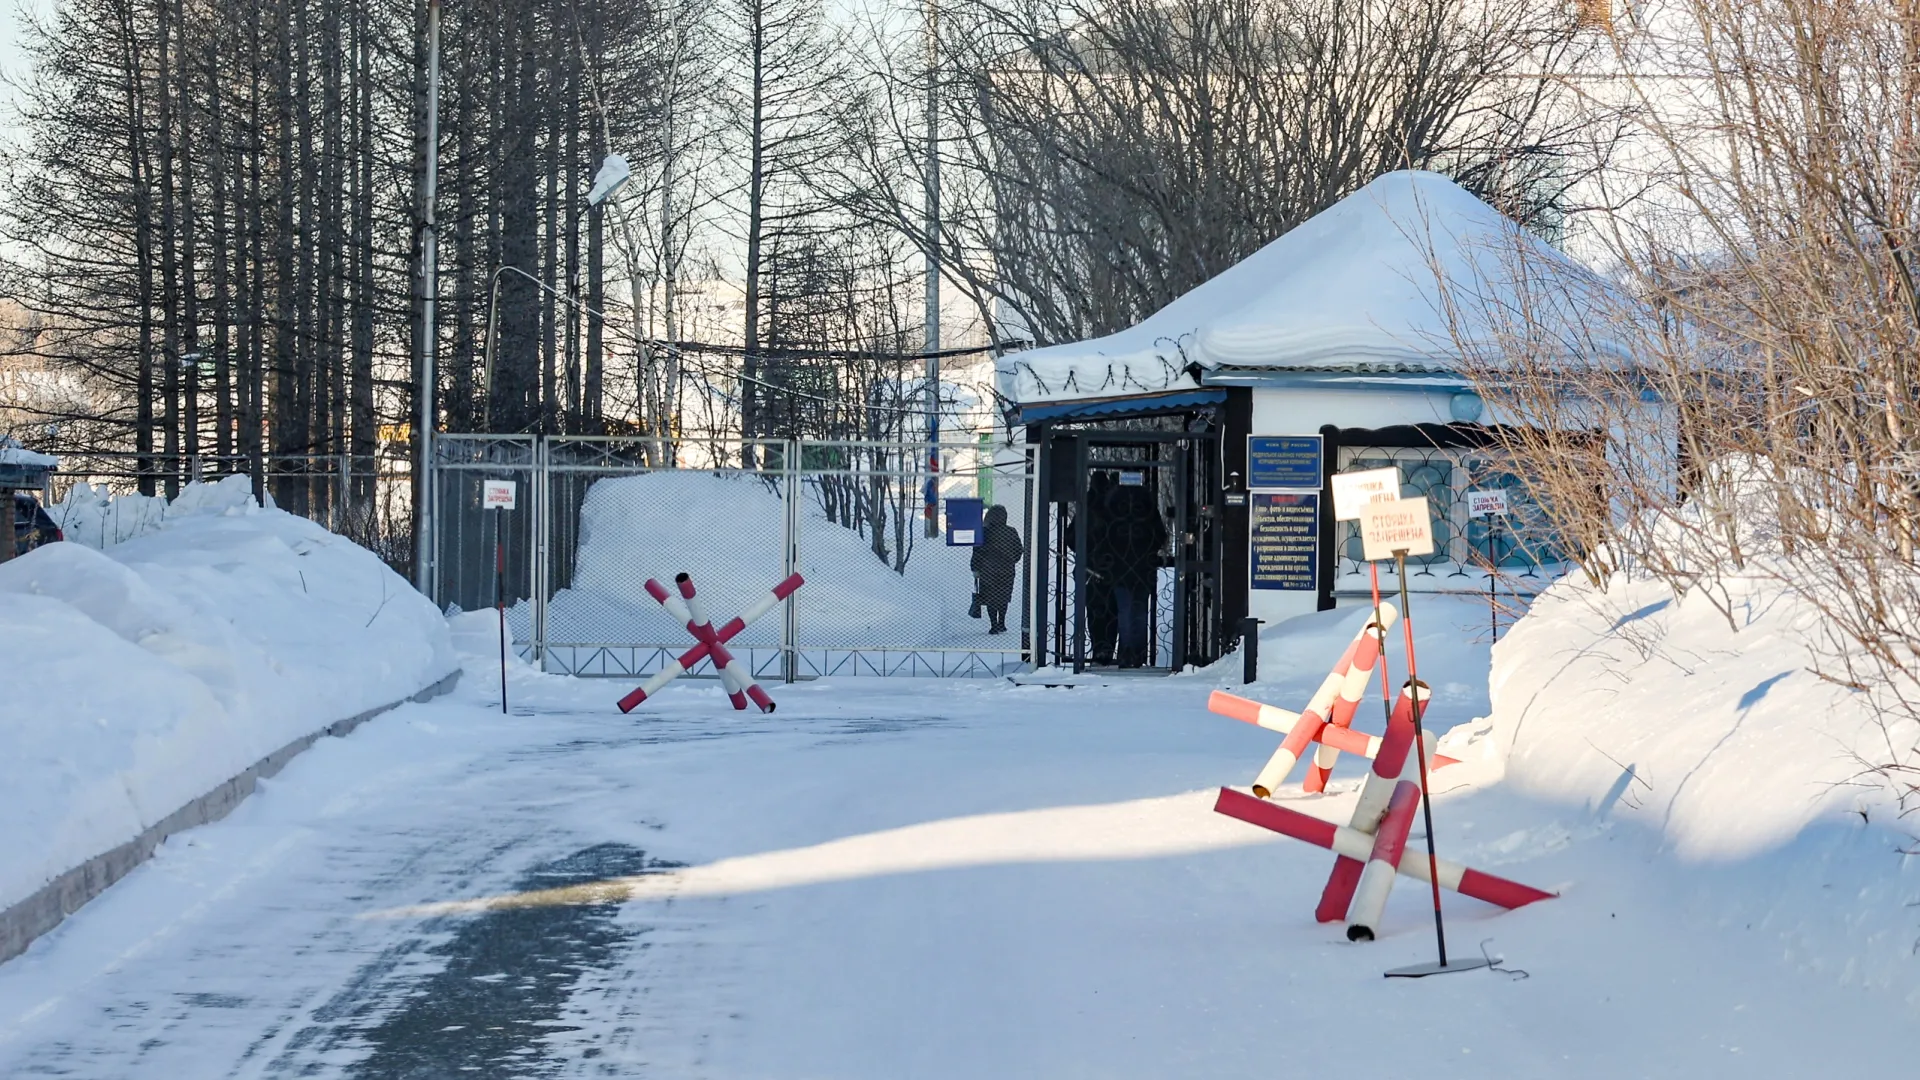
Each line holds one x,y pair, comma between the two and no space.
1398,527
1488,502
1353,490
496,494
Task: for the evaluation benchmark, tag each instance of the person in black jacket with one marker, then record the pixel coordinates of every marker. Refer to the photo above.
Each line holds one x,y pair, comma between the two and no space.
995,563
1138,538
1103,621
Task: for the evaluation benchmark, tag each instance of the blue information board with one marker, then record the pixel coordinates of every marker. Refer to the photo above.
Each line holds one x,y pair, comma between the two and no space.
1284,537
1283,461
965,519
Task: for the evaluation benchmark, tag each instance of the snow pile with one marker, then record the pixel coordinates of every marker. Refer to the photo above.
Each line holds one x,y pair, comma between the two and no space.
1715,733
98,518
1391,278
726,531
147,674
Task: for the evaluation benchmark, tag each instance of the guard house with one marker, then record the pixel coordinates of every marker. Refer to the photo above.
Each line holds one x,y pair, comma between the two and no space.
1336,347
20,470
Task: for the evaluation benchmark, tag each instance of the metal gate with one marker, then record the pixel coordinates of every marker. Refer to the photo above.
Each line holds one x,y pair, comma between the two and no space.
599,519
1131,516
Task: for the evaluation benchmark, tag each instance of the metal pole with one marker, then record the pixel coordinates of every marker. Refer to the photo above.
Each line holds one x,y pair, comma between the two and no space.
790,620
500,595
1420,747
537,574
933,268
430,286
1493,574
493,328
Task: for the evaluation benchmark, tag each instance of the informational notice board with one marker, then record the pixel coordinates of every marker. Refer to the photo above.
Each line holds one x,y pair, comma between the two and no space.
1285,539
1283,461
966,519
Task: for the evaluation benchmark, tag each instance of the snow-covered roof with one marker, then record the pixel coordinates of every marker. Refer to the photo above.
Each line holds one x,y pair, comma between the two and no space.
19,455
1356,288
20,467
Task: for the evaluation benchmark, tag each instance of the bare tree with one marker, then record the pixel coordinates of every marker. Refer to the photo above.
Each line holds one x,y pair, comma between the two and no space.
1774,316
1102,157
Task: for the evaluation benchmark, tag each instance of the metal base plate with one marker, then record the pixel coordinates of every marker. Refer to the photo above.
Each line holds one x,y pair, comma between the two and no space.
1421,971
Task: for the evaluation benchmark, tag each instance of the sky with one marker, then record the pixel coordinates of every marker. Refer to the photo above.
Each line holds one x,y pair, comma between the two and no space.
13,63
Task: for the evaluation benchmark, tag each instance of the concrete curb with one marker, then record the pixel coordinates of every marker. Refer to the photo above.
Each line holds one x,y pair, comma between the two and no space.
64,895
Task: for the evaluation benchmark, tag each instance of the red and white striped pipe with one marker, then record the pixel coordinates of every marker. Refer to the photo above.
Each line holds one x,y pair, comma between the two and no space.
1365,658
1358,845
1313,717
733,674
724,634
1272,718
1393,762
1389,844
702,632
1376,793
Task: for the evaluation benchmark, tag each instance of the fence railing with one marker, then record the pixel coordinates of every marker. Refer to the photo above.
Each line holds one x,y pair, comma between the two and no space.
594,521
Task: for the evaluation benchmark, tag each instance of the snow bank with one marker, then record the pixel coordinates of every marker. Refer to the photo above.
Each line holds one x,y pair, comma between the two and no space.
1392,279
96,517
1640,705
147,674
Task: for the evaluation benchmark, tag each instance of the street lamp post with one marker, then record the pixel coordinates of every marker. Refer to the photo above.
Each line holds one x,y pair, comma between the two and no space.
613,175
428,374
933,269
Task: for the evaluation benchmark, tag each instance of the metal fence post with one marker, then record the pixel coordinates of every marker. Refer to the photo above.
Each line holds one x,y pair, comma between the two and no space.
543,535
340,493
790,623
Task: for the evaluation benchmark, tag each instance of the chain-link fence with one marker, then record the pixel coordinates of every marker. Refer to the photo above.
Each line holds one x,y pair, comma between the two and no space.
596,519
1516,551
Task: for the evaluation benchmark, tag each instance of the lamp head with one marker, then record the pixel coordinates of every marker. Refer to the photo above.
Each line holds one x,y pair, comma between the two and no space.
614,172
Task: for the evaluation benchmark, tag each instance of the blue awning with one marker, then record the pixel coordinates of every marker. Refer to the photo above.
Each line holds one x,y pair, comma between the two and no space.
1087,408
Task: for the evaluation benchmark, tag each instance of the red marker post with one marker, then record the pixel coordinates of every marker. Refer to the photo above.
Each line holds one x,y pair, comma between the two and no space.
1396,529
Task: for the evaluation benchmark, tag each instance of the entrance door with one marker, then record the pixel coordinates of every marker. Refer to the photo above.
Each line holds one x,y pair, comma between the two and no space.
1129,543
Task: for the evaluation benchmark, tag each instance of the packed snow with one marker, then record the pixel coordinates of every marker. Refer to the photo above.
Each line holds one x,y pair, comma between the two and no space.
148,672
1400,276
967,878
98,517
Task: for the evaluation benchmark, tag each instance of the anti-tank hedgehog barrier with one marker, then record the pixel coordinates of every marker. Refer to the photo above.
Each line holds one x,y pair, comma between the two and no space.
705,648
1372,850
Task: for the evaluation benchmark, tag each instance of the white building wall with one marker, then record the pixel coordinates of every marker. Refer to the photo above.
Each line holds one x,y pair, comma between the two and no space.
1303,411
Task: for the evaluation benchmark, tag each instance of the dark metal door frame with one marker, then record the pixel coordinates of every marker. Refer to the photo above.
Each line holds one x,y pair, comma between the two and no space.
1196,542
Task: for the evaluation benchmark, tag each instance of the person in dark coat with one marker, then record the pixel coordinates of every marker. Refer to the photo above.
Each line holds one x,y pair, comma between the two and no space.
1103,621
996,562
1138,538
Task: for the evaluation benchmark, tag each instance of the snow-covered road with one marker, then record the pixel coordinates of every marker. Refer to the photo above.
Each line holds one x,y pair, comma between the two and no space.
906,879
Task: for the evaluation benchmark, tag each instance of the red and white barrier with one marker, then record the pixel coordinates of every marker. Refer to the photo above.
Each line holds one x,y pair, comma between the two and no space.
701,651
1345,740
1366,656
1358,845
737,678
1360,653
1391,764
1389,844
